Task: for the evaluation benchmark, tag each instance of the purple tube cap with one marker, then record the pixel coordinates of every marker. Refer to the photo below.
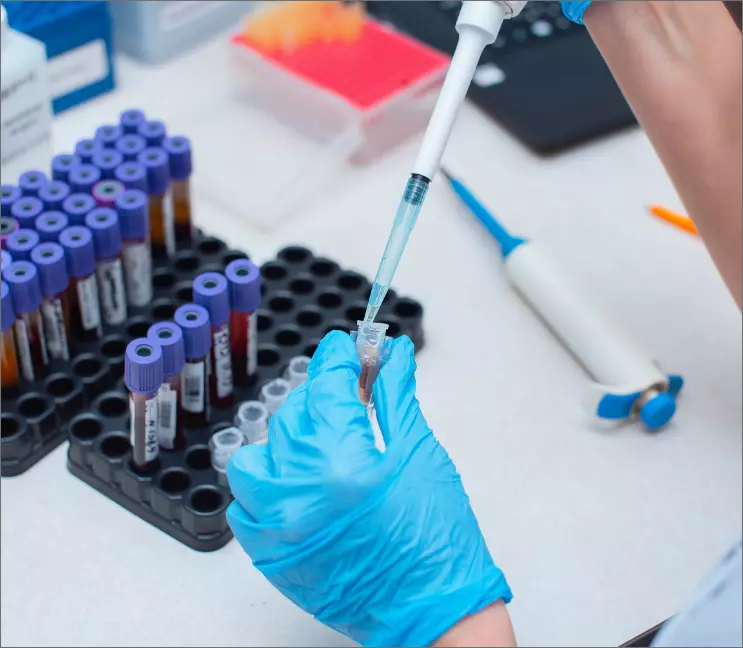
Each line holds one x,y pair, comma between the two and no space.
8,195
8,312
77,206
105,192
50,224
170,338
53,194
31,181
130,146
7,258
155,161
134,214
83,177
244,281
106,161
25,210
108,134
194,322
77,242
132,175
21,242
153,132
131,119
85,148
8,225
103,222
23,279
178,149
143,366
62,164
50,263
210,291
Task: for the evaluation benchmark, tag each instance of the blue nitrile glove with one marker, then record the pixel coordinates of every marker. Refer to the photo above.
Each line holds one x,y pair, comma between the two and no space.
574,10
381,546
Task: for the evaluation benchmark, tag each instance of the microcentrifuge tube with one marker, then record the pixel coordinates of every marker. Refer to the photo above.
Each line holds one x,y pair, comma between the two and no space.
170,416
104,225
221,447
25,290
31,182
53,195
105,192
134,222
162,235
131,119
143,376
25,210
50,264
130,146
8,195
369,339
85,311
50,225
77,206
62,164
153,131
21,242
296,372
9,364
244,281
274,393
210,291
85,149
83,178
252,419
197,341
178,149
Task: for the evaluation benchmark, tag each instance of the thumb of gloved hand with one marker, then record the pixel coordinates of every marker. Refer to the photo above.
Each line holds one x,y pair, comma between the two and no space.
381,546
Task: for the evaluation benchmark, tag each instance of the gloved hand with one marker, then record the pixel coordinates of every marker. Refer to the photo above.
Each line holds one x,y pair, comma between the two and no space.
574,10
381,546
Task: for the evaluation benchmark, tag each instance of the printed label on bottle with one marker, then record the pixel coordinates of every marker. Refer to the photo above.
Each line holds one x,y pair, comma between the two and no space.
23,348
168,408
169,222
252,344
78,68
223,361
111,286
193,394
151,449
54,329
177,13
90,310
138,271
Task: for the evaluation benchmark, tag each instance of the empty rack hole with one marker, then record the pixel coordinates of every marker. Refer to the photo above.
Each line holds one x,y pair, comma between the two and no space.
394,329
113,405
302,286
115,446
356,313
198,458
281,303
309,318
268,357
86,367
265,322
310,349
60,386
187,262
175,481
114,347
9,426
86,427
205,499
294,254
163,310
165,279
32,406
138,328
351,281
233,255
408,308
323,267
184,292
339,325
273,271
288,337
210,246
329,300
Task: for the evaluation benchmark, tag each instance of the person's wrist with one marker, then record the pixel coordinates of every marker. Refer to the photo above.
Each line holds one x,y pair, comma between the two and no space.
490,626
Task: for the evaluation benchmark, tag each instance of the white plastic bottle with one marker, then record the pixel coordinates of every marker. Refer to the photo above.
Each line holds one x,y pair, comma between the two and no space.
25,105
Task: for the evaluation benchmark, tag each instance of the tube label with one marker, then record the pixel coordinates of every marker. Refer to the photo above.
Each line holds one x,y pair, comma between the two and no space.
169,222
138,273
111,286
252,344
151,448
54,329
222,361
23,348
87,297
193,392
168,404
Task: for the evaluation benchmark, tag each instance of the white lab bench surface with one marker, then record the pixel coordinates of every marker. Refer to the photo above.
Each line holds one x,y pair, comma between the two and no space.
601,533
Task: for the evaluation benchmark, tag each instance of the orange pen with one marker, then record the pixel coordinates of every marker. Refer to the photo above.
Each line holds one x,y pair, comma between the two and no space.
682,222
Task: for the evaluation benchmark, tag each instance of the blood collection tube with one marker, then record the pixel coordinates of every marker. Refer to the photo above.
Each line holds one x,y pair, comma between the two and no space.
85,148
108,134
30,344
8,359
131,119
134,224
77,207
21,243
170,421
143,376
222,445
104,225
130,146
197,341
132,175
178,149
50,225
252,419
210,291
106,161
162,236
244,281
62,164
153,131
84,177
8,195
7,227
50,264
53,195
274,393
85,312
25,210
7,259
31,182
106,191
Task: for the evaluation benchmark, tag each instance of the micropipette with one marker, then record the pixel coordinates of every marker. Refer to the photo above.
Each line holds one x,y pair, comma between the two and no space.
478,25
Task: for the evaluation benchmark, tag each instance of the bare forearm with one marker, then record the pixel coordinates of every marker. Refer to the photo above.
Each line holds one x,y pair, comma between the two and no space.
489,627
679,66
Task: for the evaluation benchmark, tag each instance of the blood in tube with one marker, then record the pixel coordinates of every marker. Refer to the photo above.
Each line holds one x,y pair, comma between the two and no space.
77,206
85,149
8,195
153,132
162,235
143,376
108,134
8,359
53,195
130,146
84,177
26,210
109,269
30,344
210,291
31,182
106,161
50,225
170,420
85,312
62,164
193,321
21,243
131,119
106,192
178,149
50,264
244,282
134,222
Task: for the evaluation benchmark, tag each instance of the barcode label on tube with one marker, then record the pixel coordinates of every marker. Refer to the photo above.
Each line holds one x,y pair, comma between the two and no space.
138,271
167,414
90,310
223,361
193,392
169,222
252,344
113,297
54,329
23,348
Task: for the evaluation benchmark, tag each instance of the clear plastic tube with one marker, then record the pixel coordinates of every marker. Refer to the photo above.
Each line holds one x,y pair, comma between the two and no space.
221,447
369,339
274,393
252,419
296,372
